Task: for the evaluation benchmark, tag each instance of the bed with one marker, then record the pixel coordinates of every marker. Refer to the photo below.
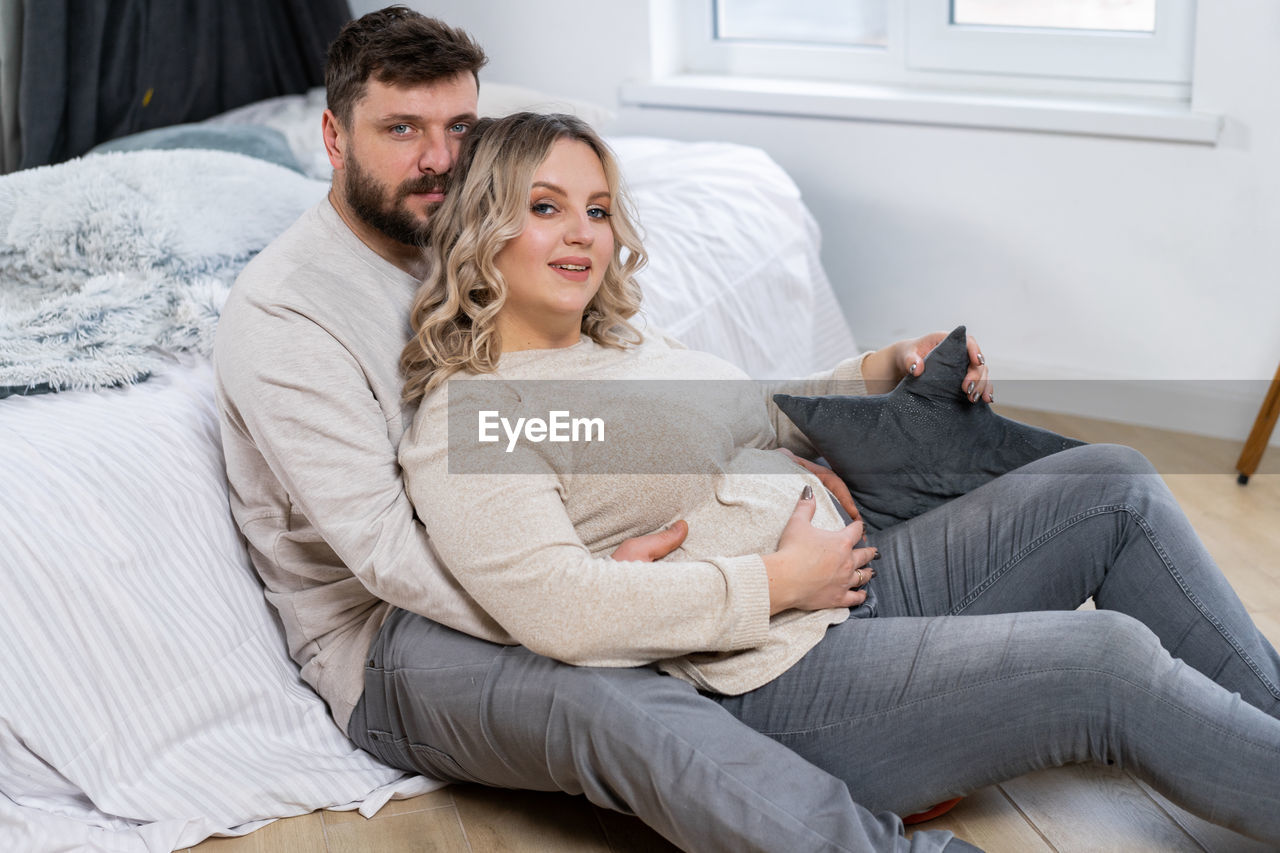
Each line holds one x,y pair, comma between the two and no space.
146,697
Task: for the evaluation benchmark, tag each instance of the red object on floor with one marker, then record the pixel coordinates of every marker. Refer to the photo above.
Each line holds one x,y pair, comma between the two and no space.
937,811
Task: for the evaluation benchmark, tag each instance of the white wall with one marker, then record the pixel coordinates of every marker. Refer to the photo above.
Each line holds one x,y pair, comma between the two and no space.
1067,256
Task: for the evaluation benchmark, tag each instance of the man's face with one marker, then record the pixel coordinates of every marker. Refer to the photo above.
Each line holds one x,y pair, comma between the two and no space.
400,146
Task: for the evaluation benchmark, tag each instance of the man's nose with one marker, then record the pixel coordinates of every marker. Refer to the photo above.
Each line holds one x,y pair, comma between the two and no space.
437,154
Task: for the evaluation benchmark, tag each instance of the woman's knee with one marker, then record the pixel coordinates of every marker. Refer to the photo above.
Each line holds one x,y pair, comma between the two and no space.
1121,644
1117,476
1085,640
1108,459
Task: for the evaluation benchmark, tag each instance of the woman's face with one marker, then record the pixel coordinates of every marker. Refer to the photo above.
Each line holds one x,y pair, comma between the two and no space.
556,264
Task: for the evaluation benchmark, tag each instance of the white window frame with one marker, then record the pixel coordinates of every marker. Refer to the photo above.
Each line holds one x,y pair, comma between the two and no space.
925,49
933,74
701,52
1162,56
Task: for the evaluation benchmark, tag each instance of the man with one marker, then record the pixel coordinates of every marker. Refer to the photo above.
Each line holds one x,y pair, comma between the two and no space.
309,391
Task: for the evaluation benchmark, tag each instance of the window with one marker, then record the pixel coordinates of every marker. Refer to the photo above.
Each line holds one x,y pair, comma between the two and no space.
813,21
1118,15
1124,47
1145,41
1095,67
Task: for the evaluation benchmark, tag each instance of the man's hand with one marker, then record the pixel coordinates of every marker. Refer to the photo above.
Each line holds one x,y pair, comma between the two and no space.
829,479
652,546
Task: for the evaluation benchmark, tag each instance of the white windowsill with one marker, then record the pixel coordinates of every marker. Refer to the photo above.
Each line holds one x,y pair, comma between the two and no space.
1132,119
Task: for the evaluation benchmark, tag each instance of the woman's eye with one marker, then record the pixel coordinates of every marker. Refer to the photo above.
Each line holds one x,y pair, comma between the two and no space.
598,213
543,208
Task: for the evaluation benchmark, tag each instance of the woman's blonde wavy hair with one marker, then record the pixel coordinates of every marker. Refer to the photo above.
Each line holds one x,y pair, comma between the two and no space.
454,314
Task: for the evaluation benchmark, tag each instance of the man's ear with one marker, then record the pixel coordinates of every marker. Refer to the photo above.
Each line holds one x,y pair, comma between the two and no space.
335,138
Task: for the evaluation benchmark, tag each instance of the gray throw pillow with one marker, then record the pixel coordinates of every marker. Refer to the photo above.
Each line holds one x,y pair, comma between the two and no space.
920,445
253,140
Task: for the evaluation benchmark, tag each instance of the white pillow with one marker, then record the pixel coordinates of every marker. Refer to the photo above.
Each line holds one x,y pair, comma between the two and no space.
733,267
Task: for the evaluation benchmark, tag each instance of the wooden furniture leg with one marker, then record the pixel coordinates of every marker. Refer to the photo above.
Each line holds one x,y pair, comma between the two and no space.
1261,433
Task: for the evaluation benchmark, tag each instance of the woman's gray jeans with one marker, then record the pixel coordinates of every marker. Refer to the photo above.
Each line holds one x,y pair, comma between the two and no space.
977,668
965,676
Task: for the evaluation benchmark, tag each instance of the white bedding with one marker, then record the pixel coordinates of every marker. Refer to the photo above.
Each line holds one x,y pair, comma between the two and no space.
146,697
733,257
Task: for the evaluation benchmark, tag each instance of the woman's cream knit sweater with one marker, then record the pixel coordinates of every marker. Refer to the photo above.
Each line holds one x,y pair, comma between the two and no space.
527,525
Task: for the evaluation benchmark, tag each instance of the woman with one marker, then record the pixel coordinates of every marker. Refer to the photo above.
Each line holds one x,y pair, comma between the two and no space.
529,279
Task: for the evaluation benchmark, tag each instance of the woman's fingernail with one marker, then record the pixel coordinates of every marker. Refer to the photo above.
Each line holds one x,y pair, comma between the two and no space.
982,359
806,494
969,390
912,368
876,556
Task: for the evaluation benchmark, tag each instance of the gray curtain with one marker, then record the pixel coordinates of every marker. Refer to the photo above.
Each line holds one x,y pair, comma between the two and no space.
10,64
93,70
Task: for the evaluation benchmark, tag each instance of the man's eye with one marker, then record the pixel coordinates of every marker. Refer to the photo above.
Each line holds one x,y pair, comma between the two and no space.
460,127
400,129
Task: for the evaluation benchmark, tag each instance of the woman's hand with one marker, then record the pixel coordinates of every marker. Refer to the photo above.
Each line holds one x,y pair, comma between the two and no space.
829,480
814,569
885,368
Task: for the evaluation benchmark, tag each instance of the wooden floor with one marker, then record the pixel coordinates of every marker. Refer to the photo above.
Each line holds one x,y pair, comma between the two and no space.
1068,809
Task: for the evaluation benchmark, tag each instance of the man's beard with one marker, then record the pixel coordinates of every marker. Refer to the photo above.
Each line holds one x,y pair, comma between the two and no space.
385,211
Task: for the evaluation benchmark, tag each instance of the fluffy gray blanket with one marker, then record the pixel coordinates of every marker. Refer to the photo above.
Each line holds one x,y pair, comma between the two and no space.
112,262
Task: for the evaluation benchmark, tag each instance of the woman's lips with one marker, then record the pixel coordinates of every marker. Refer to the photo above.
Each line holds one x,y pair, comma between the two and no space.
574,269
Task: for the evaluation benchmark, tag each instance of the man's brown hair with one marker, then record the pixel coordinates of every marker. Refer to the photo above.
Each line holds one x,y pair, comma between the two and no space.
396,46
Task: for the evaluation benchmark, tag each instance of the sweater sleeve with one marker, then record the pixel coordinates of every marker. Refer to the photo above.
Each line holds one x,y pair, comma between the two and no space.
845,379
315,423
511,544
